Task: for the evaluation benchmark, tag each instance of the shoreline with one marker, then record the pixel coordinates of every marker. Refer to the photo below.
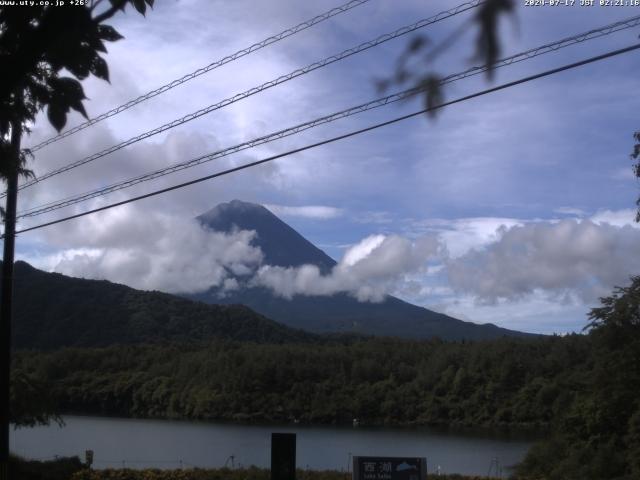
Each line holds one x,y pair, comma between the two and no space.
207,445
518,431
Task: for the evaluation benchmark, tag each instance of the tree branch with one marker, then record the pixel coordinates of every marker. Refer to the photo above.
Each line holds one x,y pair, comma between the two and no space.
95,4
115,6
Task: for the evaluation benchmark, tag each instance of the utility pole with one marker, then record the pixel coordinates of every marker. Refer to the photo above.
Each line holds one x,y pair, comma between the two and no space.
6,295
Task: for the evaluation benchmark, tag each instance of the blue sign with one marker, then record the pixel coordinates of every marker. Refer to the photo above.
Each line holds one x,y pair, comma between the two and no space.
389,468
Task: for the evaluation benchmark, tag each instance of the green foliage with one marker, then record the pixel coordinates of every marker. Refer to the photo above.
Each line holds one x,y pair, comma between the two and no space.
636,167
60,469
620,312
30,403
597,434
507,382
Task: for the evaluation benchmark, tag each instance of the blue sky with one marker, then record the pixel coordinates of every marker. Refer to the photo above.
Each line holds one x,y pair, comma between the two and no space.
528,192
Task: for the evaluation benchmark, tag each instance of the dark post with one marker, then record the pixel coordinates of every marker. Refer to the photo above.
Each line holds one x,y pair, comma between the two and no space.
7,293
283,456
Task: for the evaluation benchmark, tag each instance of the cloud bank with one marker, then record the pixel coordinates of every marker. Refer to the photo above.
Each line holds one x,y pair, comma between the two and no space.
568,261
583,259
160,252
369,270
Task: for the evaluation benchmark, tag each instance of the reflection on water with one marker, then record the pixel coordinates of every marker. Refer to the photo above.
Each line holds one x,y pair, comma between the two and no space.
171,444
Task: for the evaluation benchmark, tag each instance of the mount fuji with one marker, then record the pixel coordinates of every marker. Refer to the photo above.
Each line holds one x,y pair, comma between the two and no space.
282,246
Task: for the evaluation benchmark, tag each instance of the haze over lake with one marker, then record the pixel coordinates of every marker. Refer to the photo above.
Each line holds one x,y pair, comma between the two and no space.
169,444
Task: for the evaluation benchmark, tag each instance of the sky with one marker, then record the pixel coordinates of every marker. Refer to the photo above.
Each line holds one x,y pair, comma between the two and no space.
515,208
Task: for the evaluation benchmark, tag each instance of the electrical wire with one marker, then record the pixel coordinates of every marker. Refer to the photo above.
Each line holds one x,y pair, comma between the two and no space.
544,49
337,138
201,71
272,83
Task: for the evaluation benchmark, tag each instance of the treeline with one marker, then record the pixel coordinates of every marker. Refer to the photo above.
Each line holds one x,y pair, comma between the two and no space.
508,382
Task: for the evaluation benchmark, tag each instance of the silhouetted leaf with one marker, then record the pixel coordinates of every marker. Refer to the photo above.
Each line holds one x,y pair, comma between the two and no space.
140,6
488,46
80,66
100,69
382,85
96,43
434,95
108,33
119,4
68,87
417,43
68,93
57,115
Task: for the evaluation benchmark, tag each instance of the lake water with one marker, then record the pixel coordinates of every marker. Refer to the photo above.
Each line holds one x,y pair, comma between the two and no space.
170,444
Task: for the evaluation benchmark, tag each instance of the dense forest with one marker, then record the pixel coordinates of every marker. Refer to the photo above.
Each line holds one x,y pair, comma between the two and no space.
379,381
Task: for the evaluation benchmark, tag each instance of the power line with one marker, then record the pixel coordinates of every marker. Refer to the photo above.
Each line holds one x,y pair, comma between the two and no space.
340,137
272,83
544,49
201,71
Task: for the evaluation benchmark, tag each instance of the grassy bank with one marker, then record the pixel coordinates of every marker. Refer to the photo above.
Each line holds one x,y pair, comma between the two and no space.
73,469
222,474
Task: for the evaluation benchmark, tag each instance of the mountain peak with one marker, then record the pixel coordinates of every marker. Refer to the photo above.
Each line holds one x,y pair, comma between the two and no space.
281,245
234,207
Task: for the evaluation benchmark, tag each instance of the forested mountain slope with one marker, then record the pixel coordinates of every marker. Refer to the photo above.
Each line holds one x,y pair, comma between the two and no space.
52,310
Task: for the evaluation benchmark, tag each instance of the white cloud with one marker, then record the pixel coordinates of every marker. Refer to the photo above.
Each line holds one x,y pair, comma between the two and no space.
362,250
463,234
317,212
567,260
369,270
154,252
618,218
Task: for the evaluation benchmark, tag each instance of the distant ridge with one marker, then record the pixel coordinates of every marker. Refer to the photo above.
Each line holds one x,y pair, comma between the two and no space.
283,246
52,311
